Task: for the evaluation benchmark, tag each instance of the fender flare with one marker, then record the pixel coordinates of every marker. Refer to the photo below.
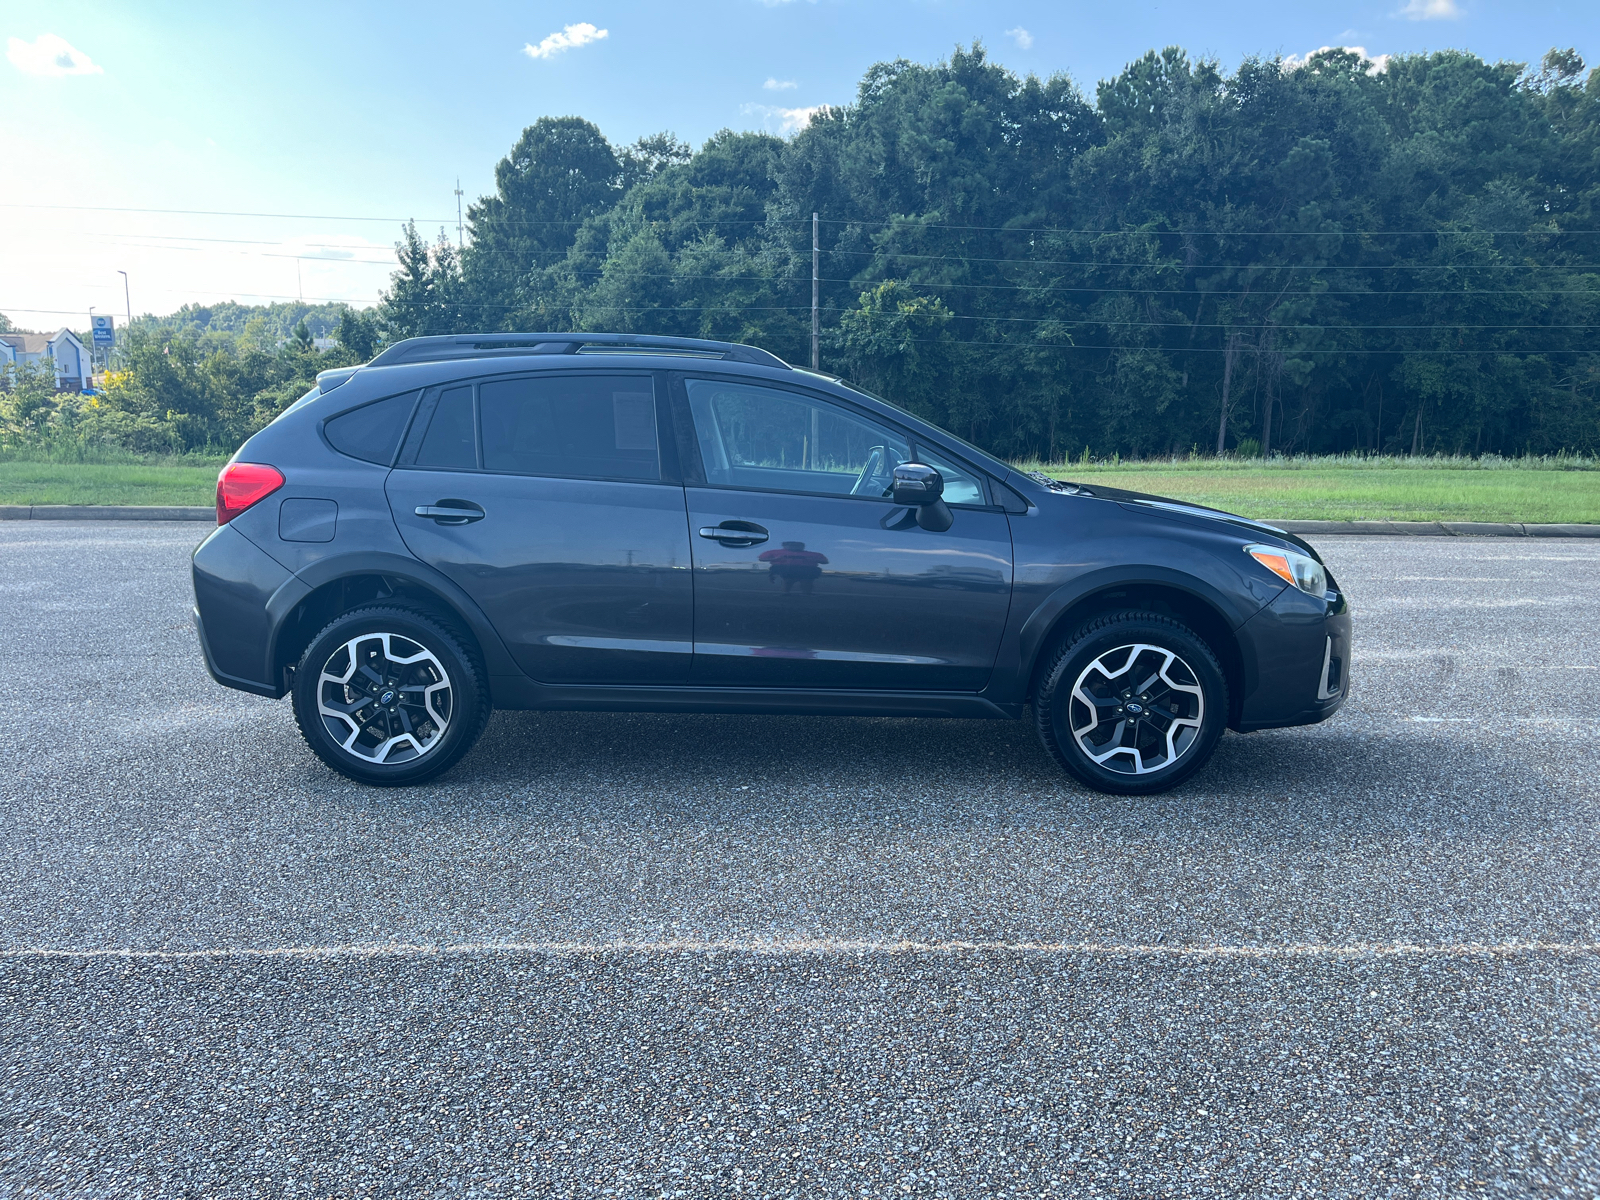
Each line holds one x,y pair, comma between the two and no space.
1045,617
496,658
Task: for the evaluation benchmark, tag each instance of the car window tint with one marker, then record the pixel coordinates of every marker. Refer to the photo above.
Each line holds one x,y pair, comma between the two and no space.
961,485
449,441
752,436
593,426
373,431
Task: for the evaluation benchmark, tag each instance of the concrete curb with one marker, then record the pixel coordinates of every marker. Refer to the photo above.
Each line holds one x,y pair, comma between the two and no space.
106,512
1437,529
140,512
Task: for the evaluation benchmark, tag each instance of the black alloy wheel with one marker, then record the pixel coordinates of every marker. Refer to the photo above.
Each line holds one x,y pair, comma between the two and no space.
1132,703
389,695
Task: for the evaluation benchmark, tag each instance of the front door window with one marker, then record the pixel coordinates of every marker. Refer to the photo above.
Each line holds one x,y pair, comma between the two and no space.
756,437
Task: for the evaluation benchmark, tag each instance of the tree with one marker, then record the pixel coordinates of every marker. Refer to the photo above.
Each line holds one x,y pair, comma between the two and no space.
425,295
358,333
561,172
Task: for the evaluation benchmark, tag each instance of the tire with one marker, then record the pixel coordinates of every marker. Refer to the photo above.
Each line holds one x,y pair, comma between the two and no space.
390,696
1110,734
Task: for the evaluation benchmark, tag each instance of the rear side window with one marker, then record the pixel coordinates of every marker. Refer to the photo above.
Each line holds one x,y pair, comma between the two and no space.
590,426
449,441
373,431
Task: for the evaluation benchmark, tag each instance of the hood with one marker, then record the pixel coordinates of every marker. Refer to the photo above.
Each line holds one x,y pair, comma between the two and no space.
1182,508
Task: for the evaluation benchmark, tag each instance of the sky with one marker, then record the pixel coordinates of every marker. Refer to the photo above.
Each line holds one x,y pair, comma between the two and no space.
285,143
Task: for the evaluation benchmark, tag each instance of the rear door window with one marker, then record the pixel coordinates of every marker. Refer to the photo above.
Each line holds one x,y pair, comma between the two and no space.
586,426
451,441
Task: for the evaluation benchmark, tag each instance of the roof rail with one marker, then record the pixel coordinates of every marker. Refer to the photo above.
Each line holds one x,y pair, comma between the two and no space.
498,345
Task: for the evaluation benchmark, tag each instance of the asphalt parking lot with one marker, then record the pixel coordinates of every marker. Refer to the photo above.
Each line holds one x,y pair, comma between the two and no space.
692,955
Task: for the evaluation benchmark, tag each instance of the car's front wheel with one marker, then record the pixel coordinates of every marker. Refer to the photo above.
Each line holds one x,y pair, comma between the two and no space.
389,695
1132,703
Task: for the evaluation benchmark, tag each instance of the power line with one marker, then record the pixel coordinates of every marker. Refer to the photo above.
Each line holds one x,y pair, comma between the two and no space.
910,225
216,212
957,258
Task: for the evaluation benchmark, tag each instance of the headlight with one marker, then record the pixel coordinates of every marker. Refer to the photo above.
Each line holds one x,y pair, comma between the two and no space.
1303,571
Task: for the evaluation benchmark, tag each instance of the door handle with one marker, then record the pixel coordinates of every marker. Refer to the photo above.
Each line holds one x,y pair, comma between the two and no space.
735,533
451,512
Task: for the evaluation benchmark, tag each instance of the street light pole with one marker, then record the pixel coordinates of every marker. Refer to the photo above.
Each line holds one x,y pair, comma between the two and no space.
126,296
816,316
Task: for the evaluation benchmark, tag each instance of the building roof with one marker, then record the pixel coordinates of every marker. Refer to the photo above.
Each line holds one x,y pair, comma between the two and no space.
34,343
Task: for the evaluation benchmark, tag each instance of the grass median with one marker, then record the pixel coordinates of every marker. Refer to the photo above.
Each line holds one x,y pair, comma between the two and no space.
115,479
1556,490
1535,490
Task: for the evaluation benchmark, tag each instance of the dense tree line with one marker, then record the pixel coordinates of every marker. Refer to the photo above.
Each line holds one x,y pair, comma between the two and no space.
1319,257
1333,256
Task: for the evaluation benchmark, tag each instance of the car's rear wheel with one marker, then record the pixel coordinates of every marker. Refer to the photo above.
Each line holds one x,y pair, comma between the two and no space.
1132,703
389,696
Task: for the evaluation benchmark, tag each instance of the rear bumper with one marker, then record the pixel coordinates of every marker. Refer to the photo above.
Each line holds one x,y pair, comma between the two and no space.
1301,649
233,582
222,677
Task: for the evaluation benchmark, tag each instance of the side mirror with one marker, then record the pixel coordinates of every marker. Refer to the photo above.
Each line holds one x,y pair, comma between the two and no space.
917,483
921,488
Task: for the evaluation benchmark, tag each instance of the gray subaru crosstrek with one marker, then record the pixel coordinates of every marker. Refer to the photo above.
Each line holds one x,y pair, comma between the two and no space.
618,522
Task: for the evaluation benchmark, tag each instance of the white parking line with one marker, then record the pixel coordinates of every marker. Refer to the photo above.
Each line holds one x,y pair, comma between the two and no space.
832,946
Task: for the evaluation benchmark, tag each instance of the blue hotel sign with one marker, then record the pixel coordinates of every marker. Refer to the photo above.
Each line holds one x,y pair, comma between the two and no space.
104,334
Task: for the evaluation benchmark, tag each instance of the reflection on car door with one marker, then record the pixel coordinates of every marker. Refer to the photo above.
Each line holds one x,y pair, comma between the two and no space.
805,575
541,495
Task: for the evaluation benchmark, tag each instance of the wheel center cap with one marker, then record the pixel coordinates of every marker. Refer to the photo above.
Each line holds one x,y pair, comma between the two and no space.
1135,707
387,698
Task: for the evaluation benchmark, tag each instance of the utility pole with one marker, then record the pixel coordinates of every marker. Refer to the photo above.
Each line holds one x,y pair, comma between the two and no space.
459,242
816,292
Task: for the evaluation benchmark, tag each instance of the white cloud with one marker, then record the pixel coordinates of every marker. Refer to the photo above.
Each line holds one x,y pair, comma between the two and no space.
783,120
779,85
1378,62
49,55
1022,37
569,38
1430,10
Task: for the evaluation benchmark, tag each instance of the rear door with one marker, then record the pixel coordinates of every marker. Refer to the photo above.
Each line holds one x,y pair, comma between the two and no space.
807,575
553,501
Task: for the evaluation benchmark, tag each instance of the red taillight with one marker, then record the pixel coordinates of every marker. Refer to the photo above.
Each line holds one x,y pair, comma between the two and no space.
242,484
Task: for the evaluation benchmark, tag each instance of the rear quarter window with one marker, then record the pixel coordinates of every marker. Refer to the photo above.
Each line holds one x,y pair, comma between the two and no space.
373,431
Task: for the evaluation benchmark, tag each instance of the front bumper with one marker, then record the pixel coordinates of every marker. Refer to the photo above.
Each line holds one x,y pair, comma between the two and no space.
1301,652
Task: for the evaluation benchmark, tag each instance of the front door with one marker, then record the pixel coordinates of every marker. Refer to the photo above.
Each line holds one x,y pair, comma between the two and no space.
806,575
542,496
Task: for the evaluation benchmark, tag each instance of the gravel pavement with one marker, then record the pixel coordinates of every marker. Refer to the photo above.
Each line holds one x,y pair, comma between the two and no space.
645,955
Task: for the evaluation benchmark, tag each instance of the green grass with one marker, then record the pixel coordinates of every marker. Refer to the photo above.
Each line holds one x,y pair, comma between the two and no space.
179,481
1348,489
1339,489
